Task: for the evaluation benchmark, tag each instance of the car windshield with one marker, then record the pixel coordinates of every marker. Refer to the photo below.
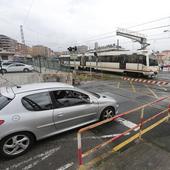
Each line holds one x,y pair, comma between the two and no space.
6,64
94,94
4,101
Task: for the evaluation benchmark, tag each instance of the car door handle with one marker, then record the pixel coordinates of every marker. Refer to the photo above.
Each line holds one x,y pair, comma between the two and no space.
60,115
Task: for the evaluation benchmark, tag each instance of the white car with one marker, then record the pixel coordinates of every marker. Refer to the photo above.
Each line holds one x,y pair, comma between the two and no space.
16,67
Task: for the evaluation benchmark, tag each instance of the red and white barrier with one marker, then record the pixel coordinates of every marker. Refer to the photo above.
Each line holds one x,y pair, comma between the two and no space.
156,82
81,155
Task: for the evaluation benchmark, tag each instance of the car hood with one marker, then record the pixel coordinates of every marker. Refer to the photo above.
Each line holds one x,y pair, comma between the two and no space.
106,95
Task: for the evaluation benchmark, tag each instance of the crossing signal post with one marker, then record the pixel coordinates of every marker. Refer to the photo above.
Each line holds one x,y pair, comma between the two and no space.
73,55
95,54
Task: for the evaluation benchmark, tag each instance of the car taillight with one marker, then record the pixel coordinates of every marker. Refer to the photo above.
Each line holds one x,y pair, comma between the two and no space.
1,122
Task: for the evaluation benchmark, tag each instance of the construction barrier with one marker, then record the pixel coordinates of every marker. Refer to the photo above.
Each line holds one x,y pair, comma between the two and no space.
156,82
142,121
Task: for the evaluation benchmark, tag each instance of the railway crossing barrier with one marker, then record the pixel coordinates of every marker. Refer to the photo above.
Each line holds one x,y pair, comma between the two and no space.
141,130
156,82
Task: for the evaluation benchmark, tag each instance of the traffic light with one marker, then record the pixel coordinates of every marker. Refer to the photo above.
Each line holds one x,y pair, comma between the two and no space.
69,49
72,49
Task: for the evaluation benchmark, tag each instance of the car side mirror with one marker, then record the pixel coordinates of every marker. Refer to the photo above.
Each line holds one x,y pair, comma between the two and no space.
92,102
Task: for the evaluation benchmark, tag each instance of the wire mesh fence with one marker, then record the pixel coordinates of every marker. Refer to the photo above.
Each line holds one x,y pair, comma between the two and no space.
46,64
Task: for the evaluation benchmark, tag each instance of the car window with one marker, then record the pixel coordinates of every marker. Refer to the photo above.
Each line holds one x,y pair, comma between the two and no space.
12,65
37,102
19,64
66,98
4,101
6,64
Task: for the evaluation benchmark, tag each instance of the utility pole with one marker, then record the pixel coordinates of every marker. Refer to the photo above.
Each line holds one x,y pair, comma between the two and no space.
23,41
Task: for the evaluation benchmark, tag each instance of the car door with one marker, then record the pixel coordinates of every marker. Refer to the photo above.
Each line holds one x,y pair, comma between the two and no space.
20,67
40,116
73,109
11,68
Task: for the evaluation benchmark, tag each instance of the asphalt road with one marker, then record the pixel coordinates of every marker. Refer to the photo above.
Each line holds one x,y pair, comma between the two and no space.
60,152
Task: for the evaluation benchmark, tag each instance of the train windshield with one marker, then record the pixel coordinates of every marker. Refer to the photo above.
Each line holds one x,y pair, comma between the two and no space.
152,60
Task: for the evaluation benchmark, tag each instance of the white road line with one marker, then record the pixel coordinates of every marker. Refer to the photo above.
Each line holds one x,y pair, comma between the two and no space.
127,123
102,137
48,153
65,166
163,87
40,157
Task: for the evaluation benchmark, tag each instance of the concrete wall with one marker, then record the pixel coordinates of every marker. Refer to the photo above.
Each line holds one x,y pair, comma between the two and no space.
10,79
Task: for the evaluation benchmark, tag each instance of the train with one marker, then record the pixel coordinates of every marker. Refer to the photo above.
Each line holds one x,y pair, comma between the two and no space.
138,63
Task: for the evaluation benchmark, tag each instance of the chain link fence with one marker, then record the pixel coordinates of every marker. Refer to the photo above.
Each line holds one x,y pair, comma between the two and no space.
44,64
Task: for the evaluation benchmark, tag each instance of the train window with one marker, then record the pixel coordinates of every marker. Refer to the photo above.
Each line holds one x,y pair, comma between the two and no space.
123,58
114,59
132,58
142,59
93,58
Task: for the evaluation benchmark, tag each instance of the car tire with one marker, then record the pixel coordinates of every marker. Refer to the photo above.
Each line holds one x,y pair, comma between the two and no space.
26,70
4,71
16,144
107,113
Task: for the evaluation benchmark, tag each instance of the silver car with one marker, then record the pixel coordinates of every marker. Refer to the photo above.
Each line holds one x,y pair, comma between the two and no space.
16,67
35,111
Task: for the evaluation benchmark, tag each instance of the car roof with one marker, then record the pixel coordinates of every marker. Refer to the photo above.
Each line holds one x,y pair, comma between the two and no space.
39,86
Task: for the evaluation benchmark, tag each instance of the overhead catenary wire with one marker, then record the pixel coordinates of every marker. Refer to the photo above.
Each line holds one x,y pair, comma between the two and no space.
145,23
149,22
112,36
103,37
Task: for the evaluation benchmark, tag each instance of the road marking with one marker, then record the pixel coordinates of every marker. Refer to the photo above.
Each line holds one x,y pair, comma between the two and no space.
118,85
118,147
133,87
40,157
127,123
66,166
163,87
102,137
94,161
154,94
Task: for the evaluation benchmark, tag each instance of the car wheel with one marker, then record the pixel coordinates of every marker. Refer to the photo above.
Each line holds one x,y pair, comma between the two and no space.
16,144
107,113
4,71
26,70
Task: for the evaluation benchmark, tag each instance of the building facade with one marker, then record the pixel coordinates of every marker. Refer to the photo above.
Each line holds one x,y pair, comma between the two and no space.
7,47
164,57
40,50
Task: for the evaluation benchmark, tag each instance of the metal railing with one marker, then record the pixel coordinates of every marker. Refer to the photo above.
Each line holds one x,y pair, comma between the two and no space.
142,121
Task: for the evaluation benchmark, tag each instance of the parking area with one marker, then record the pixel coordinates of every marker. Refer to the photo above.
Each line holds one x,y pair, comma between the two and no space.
60,152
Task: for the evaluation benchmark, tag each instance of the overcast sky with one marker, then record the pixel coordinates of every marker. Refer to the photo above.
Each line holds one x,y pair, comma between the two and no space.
61,23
